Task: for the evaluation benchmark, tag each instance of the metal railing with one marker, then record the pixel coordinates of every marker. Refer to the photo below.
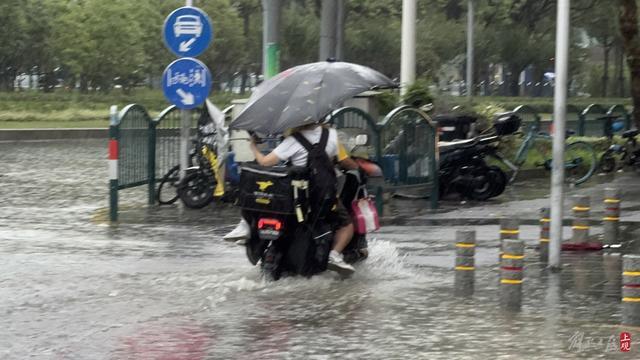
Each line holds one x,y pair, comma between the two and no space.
404,143
587,122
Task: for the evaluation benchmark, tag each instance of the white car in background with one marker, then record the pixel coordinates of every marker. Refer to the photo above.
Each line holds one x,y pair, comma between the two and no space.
187,25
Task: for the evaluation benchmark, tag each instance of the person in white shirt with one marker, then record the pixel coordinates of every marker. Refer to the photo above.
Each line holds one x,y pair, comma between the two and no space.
291,150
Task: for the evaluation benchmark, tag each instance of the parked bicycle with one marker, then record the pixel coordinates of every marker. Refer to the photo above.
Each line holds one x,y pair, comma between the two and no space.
617,156
580,159
209,175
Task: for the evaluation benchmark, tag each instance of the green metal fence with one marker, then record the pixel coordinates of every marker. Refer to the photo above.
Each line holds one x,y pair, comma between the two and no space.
353,121
620,114
131,153
409,139
404,143
574,118
587,122
590,122
530,117
167,126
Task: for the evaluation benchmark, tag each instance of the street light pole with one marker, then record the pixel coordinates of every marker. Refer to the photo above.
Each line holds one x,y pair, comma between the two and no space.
470,14
559,120
327,30
408,50
270,37
340,16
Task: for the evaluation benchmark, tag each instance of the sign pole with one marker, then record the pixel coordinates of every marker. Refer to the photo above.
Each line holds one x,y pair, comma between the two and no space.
184,142
184,131
186,82
559,120
470,50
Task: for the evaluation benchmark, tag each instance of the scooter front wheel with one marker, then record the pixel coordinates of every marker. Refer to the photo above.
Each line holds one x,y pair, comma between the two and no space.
499,180
481,187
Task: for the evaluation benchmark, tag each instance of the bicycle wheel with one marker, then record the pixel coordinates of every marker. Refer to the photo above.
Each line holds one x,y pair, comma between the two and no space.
580,162
196,190
167,190
607,162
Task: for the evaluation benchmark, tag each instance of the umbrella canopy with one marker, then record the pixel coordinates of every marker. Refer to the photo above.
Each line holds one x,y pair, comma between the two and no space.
305,94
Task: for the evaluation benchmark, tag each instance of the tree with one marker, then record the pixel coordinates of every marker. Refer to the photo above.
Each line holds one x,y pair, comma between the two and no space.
248,10
100,41
11,41
598,25
227,52
628,19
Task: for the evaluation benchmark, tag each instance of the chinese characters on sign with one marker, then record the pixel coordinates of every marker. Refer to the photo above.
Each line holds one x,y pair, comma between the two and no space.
186,83
192,78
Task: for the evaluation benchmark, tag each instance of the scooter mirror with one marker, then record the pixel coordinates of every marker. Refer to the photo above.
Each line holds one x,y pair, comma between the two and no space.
361,140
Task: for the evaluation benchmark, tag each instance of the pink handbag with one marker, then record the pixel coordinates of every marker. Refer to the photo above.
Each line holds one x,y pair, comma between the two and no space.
365,215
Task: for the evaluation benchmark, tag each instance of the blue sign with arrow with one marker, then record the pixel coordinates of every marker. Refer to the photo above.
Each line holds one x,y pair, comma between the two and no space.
187,31
186,83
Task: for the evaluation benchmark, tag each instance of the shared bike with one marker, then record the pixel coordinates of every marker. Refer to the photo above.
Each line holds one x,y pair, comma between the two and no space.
580,159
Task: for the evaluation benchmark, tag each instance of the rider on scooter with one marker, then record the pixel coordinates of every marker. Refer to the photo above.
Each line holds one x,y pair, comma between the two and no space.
292,150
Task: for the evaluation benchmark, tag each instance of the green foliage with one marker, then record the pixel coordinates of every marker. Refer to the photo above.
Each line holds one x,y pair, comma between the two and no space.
301,35
98,44
417,94
372,42
71,109
386,101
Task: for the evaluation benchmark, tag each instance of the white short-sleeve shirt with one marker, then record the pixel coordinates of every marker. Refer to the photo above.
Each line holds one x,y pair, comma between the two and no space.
291,149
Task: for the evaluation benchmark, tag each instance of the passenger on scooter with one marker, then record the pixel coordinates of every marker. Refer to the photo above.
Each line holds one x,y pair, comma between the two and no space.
292,150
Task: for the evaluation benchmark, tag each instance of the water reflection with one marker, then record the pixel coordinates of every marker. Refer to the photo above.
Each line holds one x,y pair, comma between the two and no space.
163,284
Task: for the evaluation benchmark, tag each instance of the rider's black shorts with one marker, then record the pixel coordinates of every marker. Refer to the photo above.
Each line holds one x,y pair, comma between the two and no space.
338,217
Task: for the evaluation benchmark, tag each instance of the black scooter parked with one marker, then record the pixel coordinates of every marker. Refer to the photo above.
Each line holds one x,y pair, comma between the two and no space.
463,168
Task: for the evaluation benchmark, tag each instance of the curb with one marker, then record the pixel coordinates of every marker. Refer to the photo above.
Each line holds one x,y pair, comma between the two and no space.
53,134
404,221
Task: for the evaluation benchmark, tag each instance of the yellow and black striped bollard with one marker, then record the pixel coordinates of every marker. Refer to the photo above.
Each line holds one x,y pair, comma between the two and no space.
611,215
509,229
511,273
631,290
465,264
580,224
545,220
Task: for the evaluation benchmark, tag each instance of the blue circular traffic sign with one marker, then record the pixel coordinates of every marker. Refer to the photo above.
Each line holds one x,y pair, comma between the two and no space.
187,31
186,83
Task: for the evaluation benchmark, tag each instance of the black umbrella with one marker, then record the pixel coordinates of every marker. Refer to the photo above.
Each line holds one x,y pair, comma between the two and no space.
305,94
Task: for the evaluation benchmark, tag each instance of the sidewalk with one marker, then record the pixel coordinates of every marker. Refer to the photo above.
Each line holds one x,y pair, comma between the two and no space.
523,200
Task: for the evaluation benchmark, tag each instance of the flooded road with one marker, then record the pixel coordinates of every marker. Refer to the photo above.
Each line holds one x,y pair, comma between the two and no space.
163,284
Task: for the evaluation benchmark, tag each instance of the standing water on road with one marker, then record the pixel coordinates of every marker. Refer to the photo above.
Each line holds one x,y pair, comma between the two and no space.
163,284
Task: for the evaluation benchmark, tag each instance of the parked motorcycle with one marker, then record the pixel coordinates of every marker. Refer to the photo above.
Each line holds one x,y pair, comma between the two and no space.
463,166
627,154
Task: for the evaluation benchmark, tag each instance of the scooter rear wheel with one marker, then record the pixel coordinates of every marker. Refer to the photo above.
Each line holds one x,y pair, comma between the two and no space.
481,187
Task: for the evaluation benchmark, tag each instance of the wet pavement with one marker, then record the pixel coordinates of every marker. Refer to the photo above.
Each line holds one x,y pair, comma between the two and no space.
163,285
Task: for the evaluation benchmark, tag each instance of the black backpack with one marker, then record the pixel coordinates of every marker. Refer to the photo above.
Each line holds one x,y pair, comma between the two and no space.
323,180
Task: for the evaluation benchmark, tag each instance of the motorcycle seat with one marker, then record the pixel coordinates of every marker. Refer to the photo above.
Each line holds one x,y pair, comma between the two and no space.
446,146
630,134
